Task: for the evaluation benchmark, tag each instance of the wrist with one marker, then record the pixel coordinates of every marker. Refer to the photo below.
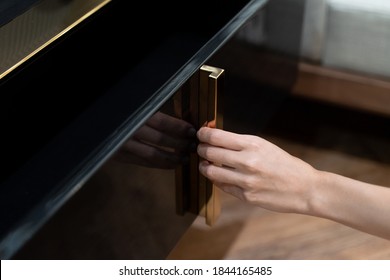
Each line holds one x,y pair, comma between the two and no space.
320,197
331,196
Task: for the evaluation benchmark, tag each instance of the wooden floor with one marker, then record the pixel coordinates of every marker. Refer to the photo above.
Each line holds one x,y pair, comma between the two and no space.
350,143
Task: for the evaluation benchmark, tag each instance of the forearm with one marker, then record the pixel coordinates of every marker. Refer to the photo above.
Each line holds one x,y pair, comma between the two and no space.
360,205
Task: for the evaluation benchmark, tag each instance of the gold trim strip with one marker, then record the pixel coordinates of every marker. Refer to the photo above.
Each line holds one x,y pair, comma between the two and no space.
33,15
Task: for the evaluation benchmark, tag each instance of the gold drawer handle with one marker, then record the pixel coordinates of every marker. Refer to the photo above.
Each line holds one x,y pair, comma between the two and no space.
199,102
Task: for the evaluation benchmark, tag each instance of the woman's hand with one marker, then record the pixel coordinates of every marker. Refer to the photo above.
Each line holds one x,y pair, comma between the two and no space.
255,170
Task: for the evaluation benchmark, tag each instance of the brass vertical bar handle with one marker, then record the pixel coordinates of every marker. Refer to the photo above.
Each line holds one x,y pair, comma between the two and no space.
199,101
210,114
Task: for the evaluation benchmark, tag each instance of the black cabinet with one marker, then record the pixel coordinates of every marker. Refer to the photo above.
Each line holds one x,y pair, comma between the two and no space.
95,148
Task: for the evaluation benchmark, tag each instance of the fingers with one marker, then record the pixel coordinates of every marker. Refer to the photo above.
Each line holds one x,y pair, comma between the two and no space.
231,189
221,174
220,147
229,176
219,156
221,138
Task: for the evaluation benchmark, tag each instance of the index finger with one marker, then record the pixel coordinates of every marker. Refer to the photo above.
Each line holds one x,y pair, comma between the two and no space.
220,138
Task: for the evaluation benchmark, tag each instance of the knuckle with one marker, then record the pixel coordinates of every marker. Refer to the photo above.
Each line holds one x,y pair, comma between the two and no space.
249,183
251,197
256,144
251,165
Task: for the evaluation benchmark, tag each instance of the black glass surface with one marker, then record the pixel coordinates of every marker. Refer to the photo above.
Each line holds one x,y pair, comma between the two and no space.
68,110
